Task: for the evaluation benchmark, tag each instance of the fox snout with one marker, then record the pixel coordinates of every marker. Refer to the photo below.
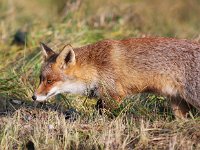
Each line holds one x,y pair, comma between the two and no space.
40,98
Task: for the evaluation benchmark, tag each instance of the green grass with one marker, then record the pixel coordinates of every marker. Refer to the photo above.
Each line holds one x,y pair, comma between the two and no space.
141,122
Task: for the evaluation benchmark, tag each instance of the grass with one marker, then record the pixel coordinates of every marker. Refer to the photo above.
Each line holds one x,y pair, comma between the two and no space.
50,130
141,122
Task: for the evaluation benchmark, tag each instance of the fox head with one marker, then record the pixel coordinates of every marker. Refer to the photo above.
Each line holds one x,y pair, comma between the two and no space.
57,74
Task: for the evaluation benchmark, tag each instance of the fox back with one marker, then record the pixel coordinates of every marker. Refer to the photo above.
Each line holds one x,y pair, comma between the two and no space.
167,66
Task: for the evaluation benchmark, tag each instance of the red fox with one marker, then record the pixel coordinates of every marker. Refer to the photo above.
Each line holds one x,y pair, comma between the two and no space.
120,68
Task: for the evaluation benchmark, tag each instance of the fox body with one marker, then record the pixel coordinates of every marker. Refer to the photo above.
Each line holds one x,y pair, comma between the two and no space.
167,66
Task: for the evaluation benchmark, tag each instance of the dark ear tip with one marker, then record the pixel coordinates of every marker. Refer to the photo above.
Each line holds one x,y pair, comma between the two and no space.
67,45
45,46
42,44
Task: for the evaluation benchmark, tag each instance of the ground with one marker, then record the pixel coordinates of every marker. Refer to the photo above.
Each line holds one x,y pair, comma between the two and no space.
144,121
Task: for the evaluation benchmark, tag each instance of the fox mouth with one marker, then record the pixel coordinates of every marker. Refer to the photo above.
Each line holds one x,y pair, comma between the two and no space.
51,95
41,98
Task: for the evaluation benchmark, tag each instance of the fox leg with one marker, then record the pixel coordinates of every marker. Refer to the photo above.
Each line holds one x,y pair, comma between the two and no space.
109,99
180,108
109,103
100,105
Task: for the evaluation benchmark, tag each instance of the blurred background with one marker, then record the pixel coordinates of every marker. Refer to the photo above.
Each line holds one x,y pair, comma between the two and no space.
24,24
174,18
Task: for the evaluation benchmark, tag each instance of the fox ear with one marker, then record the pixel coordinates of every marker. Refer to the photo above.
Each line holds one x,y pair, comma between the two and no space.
47,52
66,57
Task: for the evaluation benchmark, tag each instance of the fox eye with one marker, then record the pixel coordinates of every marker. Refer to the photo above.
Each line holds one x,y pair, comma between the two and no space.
49,81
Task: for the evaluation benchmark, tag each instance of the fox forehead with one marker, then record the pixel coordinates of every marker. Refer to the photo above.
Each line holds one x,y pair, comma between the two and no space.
49,69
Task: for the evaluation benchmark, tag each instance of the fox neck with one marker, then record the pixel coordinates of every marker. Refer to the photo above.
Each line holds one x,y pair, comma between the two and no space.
85,77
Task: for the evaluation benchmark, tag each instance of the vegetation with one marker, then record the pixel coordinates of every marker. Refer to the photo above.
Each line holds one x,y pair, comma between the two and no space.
141,122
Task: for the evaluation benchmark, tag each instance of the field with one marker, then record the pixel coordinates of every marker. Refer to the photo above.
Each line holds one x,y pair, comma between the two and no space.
144,121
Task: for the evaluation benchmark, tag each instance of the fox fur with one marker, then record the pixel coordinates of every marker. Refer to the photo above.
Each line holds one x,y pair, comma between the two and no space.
119,68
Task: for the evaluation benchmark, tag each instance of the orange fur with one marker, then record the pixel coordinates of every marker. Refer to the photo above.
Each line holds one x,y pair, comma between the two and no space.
120,68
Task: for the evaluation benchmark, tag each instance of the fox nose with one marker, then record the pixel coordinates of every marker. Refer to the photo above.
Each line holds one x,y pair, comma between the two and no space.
34,97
